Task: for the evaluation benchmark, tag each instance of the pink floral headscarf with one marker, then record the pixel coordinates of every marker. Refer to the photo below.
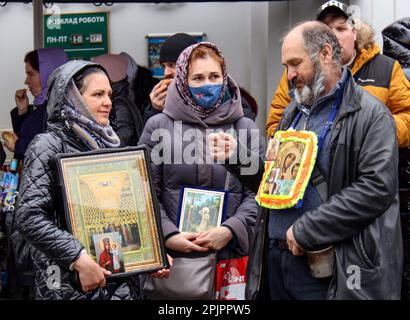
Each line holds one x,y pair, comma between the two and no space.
181,78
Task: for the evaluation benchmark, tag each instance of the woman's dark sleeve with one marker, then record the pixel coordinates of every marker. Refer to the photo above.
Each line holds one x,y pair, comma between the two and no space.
36,205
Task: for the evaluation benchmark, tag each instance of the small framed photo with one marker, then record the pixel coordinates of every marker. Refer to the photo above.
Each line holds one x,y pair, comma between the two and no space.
272,150
108,251
201,209
271,186
112,209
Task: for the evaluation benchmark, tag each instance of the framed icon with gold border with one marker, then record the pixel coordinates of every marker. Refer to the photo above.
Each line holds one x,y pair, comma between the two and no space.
112,209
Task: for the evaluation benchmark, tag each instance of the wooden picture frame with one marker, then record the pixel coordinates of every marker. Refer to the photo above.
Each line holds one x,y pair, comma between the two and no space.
112,209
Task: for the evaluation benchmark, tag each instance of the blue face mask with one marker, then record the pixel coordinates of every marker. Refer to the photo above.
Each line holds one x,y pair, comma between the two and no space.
207,95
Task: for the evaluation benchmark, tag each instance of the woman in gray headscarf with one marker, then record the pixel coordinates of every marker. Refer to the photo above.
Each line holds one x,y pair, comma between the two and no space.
78,110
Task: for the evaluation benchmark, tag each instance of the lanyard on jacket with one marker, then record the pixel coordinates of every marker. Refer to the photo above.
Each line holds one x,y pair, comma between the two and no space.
297,150
328,124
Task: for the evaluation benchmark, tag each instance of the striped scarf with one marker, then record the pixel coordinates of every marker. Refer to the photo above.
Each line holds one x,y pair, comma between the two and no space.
84,124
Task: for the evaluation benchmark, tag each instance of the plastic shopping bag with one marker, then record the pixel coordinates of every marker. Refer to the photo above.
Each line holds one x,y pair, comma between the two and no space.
231,279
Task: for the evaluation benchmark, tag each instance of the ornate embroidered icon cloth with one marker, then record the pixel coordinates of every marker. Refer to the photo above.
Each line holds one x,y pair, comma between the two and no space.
290,158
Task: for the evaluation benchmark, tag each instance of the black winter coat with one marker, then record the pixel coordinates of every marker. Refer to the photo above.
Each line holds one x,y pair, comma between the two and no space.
2,155
27,126
142,87
128,120
396,41
179,120
41,221
361,216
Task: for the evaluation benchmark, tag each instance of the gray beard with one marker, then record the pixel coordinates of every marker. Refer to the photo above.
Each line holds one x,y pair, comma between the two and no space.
310,93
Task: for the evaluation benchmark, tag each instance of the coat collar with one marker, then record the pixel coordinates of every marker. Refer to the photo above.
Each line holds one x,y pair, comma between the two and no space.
364,56
350,103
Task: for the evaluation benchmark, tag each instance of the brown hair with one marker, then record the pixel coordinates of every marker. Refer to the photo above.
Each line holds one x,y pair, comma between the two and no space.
201,52
32,58
365,36
79,77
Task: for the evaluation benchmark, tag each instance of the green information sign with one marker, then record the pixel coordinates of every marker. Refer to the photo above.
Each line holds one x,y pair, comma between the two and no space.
81,35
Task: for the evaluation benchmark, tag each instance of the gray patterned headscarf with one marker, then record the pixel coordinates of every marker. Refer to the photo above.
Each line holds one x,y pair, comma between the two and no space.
66,102
181,78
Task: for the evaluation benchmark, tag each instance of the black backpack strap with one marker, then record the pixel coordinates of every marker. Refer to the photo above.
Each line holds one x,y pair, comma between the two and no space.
319,183
228,174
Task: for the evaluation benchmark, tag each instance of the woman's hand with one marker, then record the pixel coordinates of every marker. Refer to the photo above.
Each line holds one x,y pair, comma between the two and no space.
91,274
222,145
182,242
163,273
216,238
21,101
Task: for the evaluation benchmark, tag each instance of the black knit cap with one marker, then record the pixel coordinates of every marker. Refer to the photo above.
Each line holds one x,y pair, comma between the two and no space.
334,7
174,45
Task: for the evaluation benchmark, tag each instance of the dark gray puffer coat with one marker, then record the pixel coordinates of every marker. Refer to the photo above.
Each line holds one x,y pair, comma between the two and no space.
40,217
184,132
396,43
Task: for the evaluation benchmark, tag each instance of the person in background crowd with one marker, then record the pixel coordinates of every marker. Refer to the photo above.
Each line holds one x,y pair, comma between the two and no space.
376,73
168,56
78,120
125,114
353,207
30,119
132,69
396,40
141,82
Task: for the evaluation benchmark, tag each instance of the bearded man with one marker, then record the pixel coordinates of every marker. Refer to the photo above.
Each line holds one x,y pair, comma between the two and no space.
351,201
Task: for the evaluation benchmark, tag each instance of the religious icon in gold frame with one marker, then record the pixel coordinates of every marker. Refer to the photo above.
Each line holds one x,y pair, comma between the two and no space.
289,163
111,208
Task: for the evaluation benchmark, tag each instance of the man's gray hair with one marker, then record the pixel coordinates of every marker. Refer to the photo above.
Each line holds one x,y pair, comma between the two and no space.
315,37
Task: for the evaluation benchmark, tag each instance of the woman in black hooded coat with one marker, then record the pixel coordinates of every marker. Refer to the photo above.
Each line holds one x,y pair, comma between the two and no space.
78,111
